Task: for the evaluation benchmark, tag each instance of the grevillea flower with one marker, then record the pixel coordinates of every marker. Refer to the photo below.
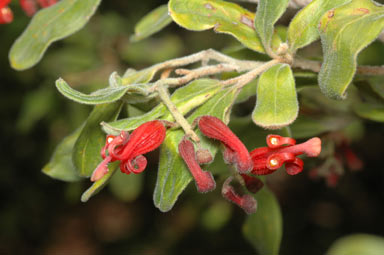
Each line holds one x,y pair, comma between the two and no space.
46,3
235,151
283,150
204,180
246,202
6,15
128,148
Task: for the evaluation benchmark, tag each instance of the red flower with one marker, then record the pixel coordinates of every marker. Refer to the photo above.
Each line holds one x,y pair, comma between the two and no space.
6,15
246,202
235,151
29,7
268,159
128,148
204,180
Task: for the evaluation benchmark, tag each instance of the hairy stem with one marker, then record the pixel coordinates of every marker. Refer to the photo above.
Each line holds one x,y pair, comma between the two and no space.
179,118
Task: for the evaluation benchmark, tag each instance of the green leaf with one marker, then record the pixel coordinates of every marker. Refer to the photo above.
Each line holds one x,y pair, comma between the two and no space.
185,98
268,12
247,91
60,166
86,151
224,17
276,104
100,184
102,96
263,229
344,32
173,175
152,23
370,111
47,26
358,244
126,187
303,27
377,85
132,76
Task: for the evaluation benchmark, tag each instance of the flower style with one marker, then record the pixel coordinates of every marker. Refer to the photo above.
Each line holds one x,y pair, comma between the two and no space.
246,202
128,148
204,179
283,150
235,151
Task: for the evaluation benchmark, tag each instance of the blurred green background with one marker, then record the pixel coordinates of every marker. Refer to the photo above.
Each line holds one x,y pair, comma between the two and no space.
39,215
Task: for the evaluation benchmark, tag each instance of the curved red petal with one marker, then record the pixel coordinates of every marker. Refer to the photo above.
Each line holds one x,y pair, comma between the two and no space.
294,167
276,141
276,160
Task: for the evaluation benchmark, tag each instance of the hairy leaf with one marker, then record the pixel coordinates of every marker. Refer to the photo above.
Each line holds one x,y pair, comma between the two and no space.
303,27
173,175
357,244
263,229
47,26
152,23
60,166
102,96
86,151
276,104
344,32
224,17
268,12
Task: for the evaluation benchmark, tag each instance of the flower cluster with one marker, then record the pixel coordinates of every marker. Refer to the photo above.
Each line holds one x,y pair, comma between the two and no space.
30,7
128,149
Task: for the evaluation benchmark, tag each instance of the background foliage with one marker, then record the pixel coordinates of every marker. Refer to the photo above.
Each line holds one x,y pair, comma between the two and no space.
39,214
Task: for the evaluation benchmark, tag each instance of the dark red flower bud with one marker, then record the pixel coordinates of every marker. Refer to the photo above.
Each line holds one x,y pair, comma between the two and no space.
253,184
236,152
6,15
204,179
29,7
268,159
353,161
246,202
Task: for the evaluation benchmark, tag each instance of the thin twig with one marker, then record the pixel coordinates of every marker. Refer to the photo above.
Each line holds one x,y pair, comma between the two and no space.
315,66
179,118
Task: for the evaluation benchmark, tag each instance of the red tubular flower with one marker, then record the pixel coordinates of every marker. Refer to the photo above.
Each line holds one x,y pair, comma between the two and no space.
268,159
29,7
235,151
246,202
6,14
128,148
204,180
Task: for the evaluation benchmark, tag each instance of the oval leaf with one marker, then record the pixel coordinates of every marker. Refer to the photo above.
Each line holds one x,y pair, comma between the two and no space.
268,12
303,27
152,23
86,151
173,175
358,244
263,229
60,166
344,32
371,111
47,26
276,104
224,17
